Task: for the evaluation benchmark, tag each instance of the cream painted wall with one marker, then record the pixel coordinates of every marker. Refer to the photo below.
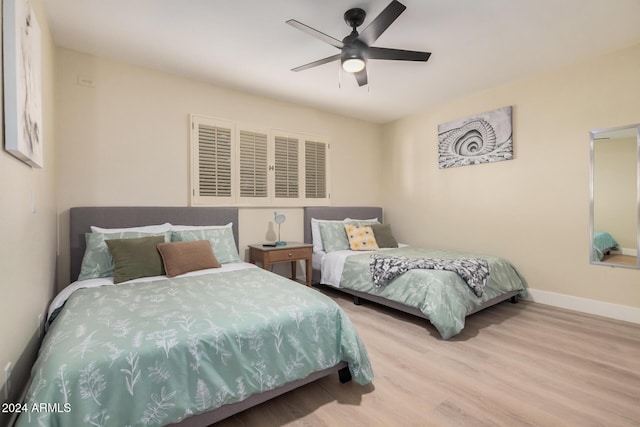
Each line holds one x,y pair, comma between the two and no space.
125,142
533,210
614,190
28,249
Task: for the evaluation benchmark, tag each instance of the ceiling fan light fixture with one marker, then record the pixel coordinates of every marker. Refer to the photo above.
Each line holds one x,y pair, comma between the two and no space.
353,65
352,58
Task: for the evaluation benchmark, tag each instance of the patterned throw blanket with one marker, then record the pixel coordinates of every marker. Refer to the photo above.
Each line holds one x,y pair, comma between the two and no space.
474,271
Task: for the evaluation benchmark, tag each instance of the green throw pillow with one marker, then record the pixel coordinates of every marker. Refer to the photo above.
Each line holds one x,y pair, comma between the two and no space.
334,236
97,261
221,239
136,258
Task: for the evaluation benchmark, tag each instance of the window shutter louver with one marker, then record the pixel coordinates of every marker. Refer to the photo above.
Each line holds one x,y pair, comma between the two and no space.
214,161
253,164
315,162
286,167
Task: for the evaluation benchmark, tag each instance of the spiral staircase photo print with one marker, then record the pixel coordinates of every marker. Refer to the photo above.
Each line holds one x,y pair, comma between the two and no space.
483,138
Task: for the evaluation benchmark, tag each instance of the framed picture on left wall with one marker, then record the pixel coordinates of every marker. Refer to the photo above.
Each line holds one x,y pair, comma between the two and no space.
22,82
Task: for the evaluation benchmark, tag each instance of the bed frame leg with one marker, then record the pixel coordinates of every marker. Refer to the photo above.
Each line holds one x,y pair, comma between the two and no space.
356,300
345,375
514,299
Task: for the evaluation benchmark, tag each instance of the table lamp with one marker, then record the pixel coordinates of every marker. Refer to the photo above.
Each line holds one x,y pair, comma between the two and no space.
279,219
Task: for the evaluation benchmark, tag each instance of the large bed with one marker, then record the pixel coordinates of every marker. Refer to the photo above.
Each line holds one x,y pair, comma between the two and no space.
440,296
191,349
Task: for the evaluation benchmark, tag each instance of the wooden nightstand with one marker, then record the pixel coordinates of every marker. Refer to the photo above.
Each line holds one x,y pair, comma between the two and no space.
292,252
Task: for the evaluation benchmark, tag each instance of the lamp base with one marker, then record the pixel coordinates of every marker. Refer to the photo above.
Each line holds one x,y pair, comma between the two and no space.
281,243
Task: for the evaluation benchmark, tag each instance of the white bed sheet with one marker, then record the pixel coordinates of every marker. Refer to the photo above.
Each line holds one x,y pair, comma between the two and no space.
331,264
316,259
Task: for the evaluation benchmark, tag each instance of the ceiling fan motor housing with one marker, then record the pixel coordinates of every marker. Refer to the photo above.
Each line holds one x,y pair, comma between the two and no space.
354,17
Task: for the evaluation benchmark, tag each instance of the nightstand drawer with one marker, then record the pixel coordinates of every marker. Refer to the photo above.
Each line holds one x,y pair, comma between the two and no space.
291,253
285,254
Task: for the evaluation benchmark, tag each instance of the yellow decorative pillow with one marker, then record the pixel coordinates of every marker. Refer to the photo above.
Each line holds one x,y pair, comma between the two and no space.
361,238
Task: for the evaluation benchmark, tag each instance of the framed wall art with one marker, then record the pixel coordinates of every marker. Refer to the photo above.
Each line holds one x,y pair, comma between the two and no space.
482,138
22,82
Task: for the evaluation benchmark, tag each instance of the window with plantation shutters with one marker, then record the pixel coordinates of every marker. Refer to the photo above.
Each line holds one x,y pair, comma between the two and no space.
253,164
214,154
315,169
236,164
286,166
212,177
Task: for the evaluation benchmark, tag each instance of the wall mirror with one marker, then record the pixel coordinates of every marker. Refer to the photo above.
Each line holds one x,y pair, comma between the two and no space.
615,196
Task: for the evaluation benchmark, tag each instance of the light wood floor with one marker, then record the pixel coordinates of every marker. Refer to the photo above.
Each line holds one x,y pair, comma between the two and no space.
522,364
621,259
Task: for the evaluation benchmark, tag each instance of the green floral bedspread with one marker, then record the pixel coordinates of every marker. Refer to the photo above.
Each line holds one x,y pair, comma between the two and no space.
442,296
157,352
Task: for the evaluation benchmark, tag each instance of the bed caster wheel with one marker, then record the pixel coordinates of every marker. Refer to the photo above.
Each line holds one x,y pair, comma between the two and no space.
514,299
356,301
345,375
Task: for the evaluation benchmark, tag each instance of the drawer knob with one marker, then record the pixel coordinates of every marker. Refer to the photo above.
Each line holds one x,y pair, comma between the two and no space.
290,254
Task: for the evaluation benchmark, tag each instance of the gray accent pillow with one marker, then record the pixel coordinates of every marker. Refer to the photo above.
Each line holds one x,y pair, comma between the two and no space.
384,236
136,258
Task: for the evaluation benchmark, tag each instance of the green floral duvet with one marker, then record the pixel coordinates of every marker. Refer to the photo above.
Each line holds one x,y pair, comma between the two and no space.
442,296
154,353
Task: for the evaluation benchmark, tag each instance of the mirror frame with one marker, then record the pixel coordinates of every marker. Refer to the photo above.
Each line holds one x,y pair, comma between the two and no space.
593,135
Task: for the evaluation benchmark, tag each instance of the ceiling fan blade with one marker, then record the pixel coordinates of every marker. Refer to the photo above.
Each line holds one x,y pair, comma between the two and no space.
315,33
361,77
316,63
397,54
381,22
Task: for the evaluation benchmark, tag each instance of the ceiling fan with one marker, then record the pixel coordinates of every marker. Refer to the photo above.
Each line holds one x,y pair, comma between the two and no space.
356,48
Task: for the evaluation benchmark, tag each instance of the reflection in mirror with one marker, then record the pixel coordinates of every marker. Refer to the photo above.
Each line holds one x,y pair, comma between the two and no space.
615,196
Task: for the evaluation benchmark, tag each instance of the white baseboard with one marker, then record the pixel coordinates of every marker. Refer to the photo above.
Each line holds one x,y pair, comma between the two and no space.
599,308
629,251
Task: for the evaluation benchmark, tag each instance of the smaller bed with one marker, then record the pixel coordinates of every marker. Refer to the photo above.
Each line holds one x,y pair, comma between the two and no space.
191,349
442,297
603,244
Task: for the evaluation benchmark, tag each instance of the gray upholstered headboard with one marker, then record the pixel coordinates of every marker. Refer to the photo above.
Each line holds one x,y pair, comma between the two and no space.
81,220
337,212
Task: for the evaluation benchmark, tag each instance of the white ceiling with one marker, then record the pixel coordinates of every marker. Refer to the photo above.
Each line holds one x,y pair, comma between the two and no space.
246,45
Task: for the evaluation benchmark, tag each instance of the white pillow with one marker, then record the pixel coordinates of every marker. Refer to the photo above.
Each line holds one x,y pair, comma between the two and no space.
161,228
316,237
199,227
